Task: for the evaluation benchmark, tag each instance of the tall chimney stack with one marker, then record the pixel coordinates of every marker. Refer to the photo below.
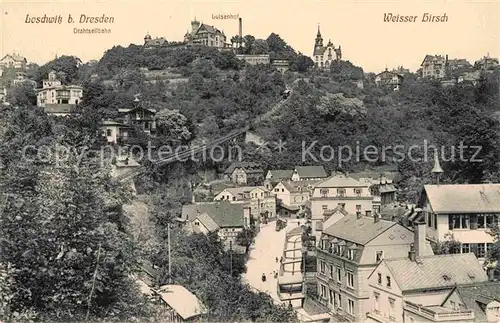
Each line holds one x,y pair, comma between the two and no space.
419,238
240,32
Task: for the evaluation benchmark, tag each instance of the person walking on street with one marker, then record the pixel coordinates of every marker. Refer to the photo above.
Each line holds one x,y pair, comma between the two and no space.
276,259
263,277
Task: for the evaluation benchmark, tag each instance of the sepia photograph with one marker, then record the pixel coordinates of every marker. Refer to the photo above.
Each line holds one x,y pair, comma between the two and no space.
250,161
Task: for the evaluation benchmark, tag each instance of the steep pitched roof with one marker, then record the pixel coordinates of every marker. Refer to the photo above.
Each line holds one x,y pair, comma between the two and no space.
341,181
278,174
15,57
433,58
248,167
298,186
474,294
208,28
360,231
387,189
224,214
311,171
208,222
182,301
436,271
464,198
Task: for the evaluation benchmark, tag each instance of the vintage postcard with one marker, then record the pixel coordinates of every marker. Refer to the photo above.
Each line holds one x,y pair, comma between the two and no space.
249,161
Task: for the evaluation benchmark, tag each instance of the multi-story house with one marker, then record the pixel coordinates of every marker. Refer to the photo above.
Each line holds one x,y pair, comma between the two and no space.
224,218
324,56
257,198
21,80
244,173
291,196
340,190
13,61
486,63
349,251
434,66
414,287
464,210
54,93
389,79
139,117
203,34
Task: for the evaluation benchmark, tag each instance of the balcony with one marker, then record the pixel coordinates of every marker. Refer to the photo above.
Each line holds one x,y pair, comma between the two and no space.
438,313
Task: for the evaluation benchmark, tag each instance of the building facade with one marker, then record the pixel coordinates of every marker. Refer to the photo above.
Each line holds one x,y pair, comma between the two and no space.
244,173
257,198
13,61
350,249
465,211
324,56
389,79
434,66
203,34
340,190
53,92
486,63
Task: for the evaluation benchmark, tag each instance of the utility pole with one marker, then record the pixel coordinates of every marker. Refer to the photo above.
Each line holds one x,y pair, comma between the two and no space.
169,256
231,257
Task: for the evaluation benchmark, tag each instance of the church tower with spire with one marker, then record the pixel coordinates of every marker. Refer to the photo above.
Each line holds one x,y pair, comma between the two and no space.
323,56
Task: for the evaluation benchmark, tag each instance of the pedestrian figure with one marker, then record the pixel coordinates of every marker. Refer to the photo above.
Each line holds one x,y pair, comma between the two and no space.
275,275
281,260
263,278
276,259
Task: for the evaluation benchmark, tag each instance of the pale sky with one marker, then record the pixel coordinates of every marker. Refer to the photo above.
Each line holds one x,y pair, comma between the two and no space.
471,32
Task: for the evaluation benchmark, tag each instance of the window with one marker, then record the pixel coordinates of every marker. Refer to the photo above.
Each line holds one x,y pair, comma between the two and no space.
480,250
368,213
331,271
323,291
322,267
379,280
392,309
350,279
429,220
340,300
376,208
453,305
324,207
108,132
341,192
332,297
465,248
276,189
335,303
435,222
458,222
324,192
388,281
376,299
350,254
380,255
357,191
350,307
339,274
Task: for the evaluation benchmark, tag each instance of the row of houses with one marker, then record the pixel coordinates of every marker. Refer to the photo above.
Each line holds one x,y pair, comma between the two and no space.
449,71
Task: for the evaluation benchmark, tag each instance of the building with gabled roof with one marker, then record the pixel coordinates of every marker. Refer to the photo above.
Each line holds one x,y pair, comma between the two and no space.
349,250
463,210
324,56
389,79
340,190
415,288
13,61
257,198
434,66
182,305
291,196
206,35
244,173
486,63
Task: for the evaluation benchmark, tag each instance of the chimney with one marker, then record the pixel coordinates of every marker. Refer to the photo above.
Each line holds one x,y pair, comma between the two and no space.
358,214
240,32
376,217
419,237
411,253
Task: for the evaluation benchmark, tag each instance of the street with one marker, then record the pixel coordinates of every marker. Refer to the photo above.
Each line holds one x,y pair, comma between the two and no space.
268,245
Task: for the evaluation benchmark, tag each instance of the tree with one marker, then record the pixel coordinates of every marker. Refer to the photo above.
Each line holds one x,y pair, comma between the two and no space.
448,246
259,47
173,125
21,95
245,238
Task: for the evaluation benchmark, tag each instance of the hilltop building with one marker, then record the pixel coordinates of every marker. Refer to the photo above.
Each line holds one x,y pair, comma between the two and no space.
324,56
389,79
13,61
56,98
434,66
206,35
150,42
486,63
